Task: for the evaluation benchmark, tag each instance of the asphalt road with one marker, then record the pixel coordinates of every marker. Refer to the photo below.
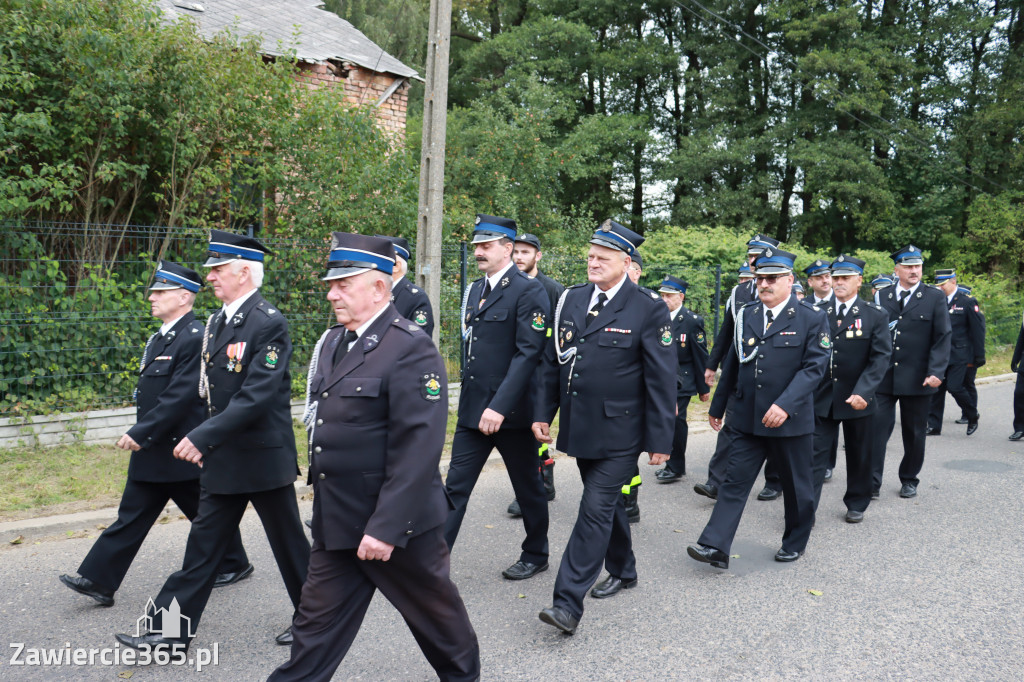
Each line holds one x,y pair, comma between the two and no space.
923,589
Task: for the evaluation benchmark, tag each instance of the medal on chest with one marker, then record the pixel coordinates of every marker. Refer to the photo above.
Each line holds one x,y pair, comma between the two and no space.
235,351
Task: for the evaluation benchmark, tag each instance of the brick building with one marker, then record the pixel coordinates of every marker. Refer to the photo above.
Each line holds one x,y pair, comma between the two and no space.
330,51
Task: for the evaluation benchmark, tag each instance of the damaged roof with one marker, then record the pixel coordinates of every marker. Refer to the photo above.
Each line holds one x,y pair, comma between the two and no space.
315,34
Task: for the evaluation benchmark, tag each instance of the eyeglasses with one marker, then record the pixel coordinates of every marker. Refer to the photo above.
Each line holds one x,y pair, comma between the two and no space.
768,279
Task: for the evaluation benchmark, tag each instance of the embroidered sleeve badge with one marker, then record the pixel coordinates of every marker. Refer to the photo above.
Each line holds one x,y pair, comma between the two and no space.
666,335
420,317
430,387
271,358
538,322
824,341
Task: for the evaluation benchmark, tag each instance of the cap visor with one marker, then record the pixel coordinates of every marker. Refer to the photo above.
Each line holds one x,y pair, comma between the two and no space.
608,244
481,237
214,261
164,286
341,273
774,270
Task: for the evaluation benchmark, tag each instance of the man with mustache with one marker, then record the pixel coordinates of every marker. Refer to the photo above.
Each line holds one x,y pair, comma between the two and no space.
771,369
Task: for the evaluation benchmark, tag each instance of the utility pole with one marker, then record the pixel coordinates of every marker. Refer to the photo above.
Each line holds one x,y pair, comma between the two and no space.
435,117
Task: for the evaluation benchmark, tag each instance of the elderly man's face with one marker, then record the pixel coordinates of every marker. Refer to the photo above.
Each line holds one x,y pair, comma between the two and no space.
605,266
673,301
355,299
846,286
774,289
229,280
168,304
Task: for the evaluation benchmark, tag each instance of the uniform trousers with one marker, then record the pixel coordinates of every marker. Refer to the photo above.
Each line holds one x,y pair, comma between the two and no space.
913,421
971,387
142,502
677,461
518,449
719,462
791,457
601,533
857,434
218,518
1018,404
416,580
956,385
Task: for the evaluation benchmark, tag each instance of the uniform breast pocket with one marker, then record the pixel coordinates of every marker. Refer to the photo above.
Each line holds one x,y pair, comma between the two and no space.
496,315
359,387
787,341
613,340
157,368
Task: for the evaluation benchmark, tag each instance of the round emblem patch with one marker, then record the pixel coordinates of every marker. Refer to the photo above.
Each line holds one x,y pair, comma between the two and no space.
538,321
666,336
420,317
430,387
824,341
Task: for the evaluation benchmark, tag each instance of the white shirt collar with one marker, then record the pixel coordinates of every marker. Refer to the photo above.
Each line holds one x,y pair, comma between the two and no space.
776,311
366,325
673,314
230,310
899,288
609,295
828,298
496,278
166,326
949,299
394,283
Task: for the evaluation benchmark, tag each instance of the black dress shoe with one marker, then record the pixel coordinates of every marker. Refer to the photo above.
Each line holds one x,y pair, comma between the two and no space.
828,475
560,618
1017,435
225,579
962,420
708,555
875,494
706,490
854,516
972,427
611,586
514,510
908,490
153,641
786,556
521,570
932,431
768,494
666,475
89,589
633,513
285,638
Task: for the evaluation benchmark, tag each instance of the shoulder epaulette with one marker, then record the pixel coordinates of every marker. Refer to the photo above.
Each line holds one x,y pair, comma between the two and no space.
407,326
267,309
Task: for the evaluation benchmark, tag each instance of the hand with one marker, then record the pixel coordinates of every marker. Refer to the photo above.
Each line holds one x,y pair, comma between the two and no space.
856,402
709,377
126,442
775,417
657,459
980,362
932,381
372,548
541,431
716,422
1013,368
704,397
490,421
188,452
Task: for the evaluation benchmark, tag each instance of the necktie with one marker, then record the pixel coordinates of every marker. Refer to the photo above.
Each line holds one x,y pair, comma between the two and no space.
218,325
904,295
842,313
769,317
486,293
342,347
602,298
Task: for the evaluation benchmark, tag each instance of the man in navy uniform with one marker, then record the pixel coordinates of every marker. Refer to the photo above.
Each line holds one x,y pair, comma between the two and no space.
610,374
770,372
692,352
631,489
966,352
861,346
410,301
377,409
919,320
167,407
877,284
819,279
972,372
505,321
246,449
742,294
1017,367
527,255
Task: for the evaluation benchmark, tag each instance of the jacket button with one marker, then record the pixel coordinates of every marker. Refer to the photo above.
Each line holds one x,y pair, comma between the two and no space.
472,377
895,364
759,385
575,376
627,411
574,394
324,394
472,357
582,340
322,476
897,347
408,532
358,389
476,319
475,338
318,449
319,422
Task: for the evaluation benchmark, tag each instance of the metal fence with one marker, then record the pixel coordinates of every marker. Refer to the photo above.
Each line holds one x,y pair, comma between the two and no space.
74,317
